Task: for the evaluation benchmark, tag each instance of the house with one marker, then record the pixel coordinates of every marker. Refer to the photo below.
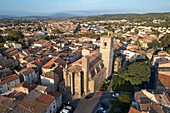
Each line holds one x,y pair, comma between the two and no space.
9,44
163,76
149,102
5,104
24,87
51,65
8,82
38,102
161,56
40,43
29,75
51,80
41,88
6,63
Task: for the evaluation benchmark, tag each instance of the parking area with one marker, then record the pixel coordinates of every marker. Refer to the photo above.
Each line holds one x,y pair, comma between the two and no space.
95,103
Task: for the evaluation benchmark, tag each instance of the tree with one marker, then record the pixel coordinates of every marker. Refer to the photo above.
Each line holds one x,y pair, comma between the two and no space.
21,41
154,44
56,31
165,40
110,28
118,80
15,34
136,31
155,32
135,73
168,51
124,98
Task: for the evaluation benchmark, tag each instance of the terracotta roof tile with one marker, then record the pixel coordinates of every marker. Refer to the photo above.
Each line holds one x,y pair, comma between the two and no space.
26,84
164,80
27,71
133,110
9,79
46,99
49,64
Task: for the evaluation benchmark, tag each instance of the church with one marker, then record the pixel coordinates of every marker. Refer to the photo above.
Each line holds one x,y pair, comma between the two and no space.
85,75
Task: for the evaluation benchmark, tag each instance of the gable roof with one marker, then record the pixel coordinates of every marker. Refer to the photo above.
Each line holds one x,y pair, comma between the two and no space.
164,80
27,71
8,79
49,64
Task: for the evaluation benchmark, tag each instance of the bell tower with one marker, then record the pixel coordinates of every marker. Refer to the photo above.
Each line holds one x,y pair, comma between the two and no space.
107,51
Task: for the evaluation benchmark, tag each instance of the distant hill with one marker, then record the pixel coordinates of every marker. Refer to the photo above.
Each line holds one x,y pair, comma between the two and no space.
94,17
131,16
57,15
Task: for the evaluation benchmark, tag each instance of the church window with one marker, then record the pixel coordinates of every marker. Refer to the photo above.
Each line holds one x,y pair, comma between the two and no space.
105,44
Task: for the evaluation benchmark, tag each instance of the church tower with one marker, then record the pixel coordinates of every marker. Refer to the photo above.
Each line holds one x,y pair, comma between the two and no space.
107,51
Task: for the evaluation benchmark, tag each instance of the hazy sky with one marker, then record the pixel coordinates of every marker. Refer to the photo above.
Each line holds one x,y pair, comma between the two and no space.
114,6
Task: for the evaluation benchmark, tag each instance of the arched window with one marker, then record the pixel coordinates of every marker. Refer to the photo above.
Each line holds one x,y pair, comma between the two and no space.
105,44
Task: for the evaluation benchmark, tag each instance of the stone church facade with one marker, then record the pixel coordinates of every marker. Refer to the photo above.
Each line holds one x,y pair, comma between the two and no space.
87,74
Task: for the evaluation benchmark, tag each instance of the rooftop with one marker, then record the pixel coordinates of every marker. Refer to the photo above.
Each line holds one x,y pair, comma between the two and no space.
27,71
49,64
27,85
8,79
51,75
164,80
5,102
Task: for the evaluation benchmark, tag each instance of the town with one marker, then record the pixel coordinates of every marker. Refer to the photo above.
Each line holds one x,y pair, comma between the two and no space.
97,64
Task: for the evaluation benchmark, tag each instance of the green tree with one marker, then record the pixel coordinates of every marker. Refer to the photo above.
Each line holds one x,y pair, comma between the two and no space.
154,44
56,31
21,41
134,73
118,81
124,98
136,31
110,28
15,34
165,40
155,32
168,51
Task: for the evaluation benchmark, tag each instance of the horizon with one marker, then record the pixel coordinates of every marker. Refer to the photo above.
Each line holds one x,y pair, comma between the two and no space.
82,7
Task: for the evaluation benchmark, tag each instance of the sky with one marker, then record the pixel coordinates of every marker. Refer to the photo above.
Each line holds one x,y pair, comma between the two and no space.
106,6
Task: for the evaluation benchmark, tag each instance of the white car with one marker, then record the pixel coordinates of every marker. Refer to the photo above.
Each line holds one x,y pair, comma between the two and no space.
65,111
101,110
115,94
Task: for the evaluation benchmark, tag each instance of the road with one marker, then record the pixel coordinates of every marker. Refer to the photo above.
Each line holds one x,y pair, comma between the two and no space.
91,105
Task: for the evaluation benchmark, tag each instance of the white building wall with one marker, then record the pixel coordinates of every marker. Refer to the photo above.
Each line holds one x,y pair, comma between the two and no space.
7,86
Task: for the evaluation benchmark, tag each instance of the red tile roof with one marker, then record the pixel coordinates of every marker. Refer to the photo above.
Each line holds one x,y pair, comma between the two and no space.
8,79
164,80
49,64
133,110
46,99
27,85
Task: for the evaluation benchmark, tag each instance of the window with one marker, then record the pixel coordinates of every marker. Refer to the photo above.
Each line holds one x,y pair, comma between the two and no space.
8,83
54,106
105,44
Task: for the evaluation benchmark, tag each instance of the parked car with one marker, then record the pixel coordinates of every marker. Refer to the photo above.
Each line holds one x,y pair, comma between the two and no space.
68,107
65,111
115,94
101,110
101,92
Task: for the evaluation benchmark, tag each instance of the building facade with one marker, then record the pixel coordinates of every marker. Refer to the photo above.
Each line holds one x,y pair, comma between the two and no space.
85,75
